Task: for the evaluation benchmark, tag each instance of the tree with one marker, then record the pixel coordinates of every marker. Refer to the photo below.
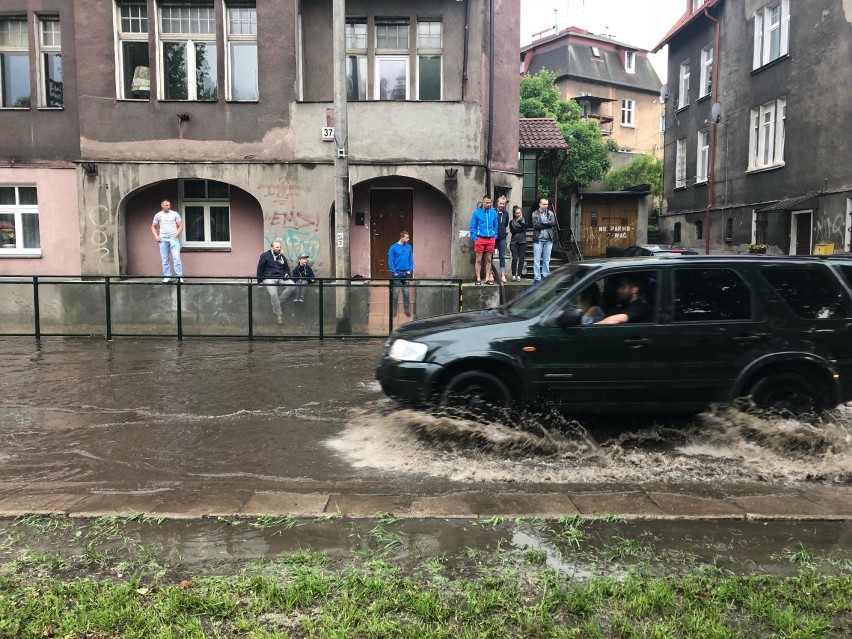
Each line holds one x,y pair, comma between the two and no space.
643,169
588,158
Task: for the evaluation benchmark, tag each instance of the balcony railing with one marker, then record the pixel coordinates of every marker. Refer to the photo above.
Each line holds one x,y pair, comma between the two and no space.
138,306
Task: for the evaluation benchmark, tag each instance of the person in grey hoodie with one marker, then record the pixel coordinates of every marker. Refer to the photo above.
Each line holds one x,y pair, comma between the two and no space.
544,233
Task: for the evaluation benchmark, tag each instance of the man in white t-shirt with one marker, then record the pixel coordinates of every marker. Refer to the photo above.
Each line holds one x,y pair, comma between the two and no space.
167,228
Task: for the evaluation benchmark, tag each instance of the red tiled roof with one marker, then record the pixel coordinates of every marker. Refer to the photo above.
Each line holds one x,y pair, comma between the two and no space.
685,19
541,134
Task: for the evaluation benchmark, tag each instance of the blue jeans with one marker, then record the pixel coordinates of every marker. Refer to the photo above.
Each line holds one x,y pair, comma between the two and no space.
541,259
400,283
501,252
170,245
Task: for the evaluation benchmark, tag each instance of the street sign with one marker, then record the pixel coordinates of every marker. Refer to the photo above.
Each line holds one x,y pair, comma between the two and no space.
328,134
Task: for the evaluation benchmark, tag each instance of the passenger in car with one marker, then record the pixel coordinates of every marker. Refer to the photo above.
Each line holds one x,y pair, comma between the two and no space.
589,302
630,304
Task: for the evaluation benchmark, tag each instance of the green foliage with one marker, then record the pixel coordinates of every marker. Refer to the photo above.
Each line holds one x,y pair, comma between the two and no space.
643,169
588,158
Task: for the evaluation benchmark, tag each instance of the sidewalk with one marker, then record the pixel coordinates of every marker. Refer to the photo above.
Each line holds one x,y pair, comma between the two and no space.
363,499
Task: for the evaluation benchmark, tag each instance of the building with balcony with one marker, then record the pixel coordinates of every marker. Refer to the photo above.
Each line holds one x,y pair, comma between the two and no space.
220,106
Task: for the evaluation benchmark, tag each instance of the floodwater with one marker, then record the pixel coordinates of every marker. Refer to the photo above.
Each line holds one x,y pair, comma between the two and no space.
253,414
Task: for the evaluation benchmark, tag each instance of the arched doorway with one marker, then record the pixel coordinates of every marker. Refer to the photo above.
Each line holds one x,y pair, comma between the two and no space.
223,228
382,208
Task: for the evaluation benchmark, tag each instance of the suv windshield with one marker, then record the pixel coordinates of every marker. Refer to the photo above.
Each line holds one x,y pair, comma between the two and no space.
536,298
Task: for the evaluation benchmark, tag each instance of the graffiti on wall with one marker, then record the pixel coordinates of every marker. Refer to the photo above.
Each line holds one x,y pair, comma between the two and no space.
294,243
289,224
100,219
831,229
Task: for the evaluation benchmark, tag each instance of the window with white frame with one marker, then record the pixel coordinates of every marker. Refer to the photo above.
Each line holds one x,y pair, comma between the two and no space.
766,141
696,4
206,213
19,228
771,32
392,59
187,49
596,52
50,62
630,62
680,164
429,59
706,70
628,109
134,63
14,63
356,59
702,158
241,29
683,84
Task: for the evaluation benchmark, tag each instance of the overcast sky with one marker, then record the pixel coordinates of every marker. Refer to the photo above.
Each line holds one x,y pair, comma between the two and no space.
641,23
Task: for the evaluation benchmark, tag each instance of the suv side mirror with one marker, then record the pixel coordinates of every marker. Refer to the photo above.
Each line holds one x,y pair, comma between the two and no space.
569,317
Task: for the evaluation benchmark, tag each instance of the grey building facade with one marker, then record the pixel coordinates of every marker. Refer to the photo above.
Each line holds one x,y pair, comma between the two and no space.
766,165
221,107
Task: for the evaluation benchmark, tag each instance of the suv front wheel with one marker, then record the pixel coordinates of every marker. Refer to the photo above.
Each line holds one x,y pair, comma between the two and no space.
477,391
786,393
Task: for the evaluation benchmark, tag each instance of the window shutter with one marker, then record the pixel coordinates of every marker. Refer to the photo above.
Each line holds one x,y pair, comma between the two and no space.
758,38
785,27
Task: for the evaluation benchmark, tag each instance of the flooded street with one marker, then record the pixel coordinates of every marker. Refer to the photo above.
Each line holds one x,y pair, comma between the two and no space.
160,413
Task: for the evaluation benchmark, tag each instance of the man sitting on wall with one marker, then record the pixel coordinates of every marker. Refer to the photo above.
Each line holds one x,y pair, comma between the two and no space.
274,271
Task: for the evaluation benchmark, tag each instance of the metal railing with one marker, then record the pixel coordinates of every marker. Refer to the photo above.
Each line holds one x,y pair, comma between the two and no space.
239,307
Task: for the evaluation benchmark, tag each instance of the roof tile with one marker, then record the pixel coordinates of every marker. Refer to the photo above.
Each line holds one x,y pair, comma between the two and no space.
541,134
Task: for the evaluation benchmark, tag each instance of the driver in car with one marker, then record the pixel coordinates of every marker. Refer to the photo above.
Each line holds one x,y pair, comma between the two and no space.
631,306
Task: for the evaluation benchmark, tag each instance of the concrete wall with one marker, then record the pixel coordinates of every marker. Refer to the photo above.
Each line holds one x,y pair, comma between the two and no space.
59,222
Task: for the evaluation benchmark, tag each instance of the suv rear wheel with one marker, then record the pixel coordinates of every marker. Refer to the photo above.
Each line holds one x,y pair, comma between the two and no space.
787,393
476,391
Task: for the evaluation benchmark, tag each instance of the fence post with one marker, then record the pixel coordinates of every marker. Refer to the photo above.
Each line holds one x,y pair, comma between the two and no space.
321,313
36,314
108,305
250,312
179,313
461,297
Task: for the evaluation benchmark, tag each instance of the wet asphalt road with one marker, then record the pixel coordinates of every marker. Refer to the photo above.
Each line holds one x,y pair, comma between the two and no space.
302,427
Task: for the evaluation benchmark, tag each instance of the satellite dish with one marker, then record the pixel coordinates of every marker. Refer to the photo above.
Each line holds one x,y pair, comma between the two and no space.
716,112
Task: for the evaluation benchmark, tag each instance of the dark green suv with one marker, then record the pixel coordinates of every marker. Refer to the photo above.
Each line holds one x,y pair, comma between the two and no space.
778,329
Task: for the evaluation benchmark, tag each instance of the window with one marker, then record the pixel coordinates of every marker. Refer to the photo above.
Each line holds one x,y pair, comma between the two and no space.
676,238
392,60
766,141
206,213
242,53
699,230
628,108
683,96
187,49
706,70
680,165
771,32
662,123
630,62
356,60
528,167
19,228
596,53
729,230
14,64
702,163
812,292
696,4
50,63
710,295
429,59
134,66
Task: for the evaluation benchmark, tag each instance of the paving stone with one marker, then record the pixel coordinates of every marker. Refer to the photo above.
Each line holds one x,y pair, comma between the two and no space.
38,504
296,504
369,505
786,506
695,507
838,500
488,505
623,504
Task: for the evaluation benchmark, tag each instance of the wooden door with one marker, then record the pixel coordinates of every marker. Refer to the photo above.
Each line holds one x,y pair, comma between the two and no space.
391,212
607,224
803,233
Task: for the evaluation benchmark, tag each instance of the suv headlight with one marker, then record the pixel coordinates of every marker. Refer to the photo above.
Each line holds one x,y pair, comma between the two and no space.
406,351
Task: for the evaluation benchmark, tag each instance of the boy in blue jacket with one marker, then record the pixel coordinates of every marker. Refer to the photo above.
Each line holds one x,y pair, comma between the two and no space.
401,265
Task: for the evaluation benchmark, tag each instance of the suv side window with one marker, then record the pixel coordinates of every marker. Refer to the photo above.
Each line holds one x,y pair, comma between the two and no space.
812,292
846,272
710,294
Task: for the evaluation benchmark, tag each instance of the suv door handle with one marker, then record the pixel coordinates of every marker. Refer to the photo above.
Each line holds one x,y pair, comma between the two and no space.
637,341
755,337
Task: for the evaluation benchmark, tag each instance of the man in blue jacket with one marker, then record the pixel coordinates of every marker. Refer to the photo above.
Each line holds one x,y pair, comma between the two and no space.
274,271
401,265
483,232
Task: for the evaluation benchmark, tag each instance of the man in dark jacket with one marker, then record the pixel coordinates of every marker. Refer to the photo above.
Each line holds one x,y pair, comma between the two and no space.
274,271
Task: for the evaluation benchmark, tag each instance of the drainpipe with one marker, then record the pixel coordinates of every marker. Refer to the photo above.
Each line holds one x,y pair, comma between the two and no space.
712,161
464,54
490,95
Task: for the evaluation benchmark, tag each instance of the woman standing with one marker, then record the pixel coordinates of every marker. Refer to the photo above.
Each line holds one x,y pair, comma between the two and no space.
518,228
